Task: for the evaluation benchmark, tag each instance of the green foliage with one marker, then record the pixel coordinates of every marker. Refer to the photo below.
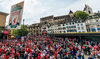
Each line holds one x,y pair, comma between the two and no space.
14,32
81,15
0,29
20,32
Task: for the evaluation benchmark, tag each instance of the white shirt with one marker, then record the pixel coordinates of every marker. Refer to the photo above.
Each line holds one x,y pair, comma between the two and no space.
51,57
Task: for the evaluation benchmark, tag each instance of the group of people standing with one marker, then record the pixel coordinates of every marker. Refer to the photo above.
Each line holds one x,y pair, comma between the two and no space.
44,47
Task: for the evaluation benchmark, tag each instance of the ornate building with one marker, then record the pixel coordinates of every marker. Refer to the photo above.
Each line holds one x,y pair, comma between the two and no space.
68,23
35,29
45,21
88,9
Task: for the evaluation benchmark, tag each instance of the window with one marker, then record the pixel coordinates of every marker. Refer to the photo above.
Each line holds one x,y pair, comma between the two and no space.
79,28
79,21
73,23
98,25
90,17
70,23
59,25
67,27
75,30
74,26
77,24
64,28
68,30
81,24
96,20
89,12
82,27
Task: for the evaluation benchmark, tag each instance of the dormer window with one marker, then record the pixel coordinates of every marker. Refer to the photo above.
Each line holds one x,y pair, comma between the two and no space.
89,12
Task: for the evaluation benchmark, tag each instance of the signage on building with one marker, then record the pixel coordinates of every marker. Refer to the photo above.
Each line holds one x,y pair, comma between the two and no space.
16,16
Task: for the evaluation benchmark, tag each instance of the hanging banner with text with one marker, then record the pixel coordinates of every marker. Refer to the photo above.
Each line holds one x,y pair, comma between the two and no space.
16,16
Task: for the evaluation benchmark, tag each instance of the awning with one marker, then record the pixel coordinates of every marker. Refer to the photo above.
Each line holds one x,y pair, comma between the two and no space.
93,29
98,28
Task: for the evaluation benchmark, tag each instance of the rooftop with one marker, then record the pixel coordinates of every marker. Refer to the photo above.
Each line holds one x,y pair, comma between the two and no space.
48,17
4,13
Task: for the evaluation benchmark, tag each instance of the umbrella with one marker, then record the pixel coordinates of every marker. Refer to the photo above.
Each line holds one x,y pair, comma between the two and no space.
12,37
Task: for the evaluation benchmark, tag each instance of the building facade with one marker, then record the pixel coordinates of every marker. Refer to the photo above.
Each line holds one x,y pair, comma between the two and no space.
48,19
81,27
58,28
60,24
93,23
70,24
71,27
35,29
3,19
45,22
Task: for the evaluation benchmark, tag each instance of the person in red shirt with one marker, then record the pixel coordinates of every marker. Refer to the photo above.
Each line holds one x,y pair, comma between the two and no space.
97,47
7,57
47,56
39,57
56,55
70,48
83,47
75,48
72,43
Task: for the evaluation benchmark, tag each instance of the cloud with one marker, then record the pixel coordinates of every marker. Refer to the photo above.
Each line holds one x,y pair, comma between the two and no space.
35,9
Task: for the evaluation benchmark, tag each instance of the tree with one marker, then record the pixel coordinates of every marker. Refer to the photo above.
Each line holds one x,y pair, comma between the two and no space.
0,29
81,15
14,32
21,32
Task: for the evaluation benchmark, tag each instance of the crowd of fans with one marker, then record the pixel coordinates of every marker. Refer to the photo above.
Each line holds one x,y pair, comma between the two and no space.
42,47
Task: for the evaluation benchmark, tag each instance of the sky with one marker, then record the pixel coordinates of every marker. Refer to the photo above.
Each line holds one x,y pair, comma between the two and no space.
36,9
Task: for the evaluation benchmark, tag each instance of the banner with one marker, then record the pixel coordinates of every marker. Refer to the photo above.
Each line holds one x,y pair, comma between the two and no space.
5,32
16,16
